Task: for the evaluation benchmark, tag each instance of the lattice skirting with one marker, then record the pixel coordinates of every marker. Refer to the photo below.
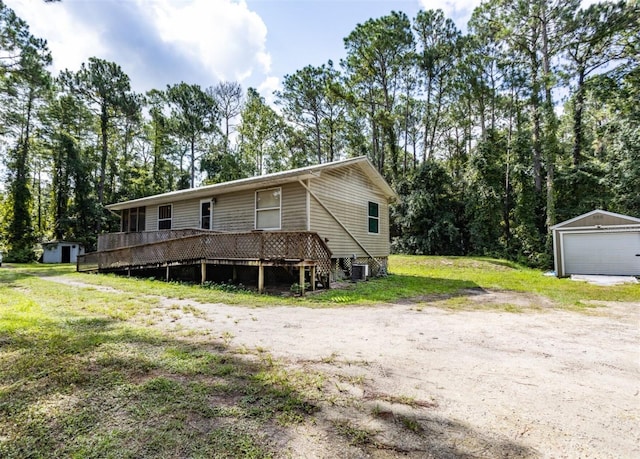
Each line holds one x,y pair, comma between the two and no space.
341,267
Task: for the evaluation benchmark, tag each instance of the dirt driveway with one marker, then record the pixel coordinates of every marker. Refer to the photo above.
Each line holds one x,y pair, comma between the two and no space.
418,380
464,383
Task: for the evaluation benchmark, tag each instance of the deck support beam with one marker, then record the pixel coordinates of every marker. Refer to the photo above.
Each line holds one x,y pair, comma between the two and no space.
260,277
313,277
167,275
203,272
302,280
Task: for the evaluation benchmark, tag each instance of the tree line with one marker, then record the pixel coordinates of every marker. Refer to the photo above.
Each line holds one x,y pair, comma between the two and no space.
489,137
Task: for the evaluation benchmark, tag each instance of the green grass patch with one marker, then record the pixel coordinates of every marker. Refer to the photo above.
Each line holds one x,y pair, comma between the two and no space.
209,293
424,278
491,274
78,379
411,278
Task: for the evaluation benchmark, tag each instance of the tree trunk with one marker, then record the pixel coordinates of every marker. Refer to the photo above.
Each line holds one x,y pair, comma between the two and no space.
551,128
193,162
104,122
318,141
537,131
578,107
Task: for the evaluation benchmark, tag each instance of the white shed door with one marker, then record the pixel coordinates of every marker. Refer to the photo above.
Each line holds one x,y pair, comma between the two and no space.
602,253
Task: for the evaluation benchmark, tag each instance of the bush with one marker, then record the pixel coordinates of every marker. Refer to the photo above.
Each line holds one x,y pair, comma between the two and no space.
21,255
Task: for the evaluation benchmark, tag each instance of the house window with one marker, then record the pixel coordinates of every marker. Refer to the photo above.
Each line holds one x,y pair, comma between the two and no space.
164,217
268,208
133,220
206,211
374,218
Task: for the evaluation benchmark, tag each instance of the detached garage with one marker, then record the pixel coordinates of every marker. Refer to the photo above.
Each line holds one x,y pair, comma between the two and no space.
598,242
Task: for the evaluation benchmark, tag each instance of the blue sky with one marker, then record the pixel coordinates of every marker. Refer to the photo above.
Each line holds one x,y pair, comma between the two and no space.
254,42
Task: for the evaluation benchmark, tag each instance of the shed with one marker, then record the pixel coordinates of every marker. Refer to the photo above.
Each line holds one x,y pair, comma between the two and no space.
598,242
61,252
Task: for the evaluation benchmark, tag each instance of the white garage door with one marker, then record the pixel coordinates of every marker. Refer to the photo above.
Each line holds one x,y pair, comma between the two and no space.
602,253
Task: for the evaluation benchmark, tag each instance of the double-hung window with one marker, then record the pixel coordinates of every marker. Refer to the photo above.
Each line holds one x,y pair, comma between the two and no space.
268,207
164,217
374,218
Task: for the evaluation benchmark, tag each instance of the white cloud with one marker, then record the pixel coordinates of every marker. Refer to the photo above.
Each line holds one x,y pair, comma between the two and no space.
224,36
267,87
71,42
458,10
156,43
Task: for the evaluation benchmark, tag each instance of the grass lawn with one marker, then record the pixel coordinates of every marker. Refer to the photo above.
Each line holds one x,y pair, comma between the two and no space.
81,375
410,277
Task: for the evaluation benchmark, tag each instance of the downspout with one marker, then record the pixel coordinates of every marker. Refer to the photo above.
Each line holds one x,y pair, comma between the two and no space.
339,222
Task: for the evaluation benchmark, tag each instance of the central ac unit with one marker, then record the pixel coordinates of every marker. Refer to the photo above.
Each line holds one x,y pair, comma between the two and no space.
359,272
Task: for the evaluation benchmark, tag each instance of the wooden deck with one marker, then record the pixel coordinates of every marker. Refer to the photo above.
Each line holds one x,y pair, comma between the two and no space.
155,249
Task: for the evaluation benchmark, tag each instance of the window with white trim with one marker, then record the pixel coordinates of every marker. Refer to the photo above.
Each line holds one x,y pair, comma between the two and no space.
164,217
374,218
268,206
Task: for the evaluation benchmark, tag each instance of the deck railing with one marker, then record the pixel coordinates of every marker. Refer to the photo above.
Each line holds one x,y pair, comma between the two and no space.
111,241
271,246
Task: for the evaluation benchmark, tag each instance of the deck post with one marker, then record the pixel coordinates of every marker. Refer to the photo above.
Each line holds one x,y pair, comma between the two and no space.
203,272
167,272
260,277
313,278
234,275
302,280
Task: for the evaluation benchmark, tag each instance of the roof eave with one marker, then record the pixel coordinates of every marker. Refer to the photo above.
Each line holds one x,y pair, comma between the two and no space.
274,179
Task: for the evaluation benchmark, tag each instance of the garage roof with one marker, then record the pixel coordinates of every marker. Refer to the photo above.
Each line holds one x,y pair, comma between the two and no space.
598,218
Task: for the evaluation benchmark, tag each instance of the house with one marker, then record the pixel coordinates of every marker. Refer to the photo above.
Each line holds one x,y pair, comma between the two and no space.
319,220
61,252
598,242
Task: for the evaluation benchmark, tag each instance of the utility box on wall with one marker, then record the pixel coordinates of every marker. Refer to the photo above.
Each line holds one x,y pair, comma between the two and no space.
61,252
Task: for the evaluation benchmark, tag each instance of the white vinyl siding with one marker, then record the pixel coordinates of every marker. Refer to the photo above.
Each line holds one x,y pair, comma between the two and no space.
346,193
294,207
234,211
